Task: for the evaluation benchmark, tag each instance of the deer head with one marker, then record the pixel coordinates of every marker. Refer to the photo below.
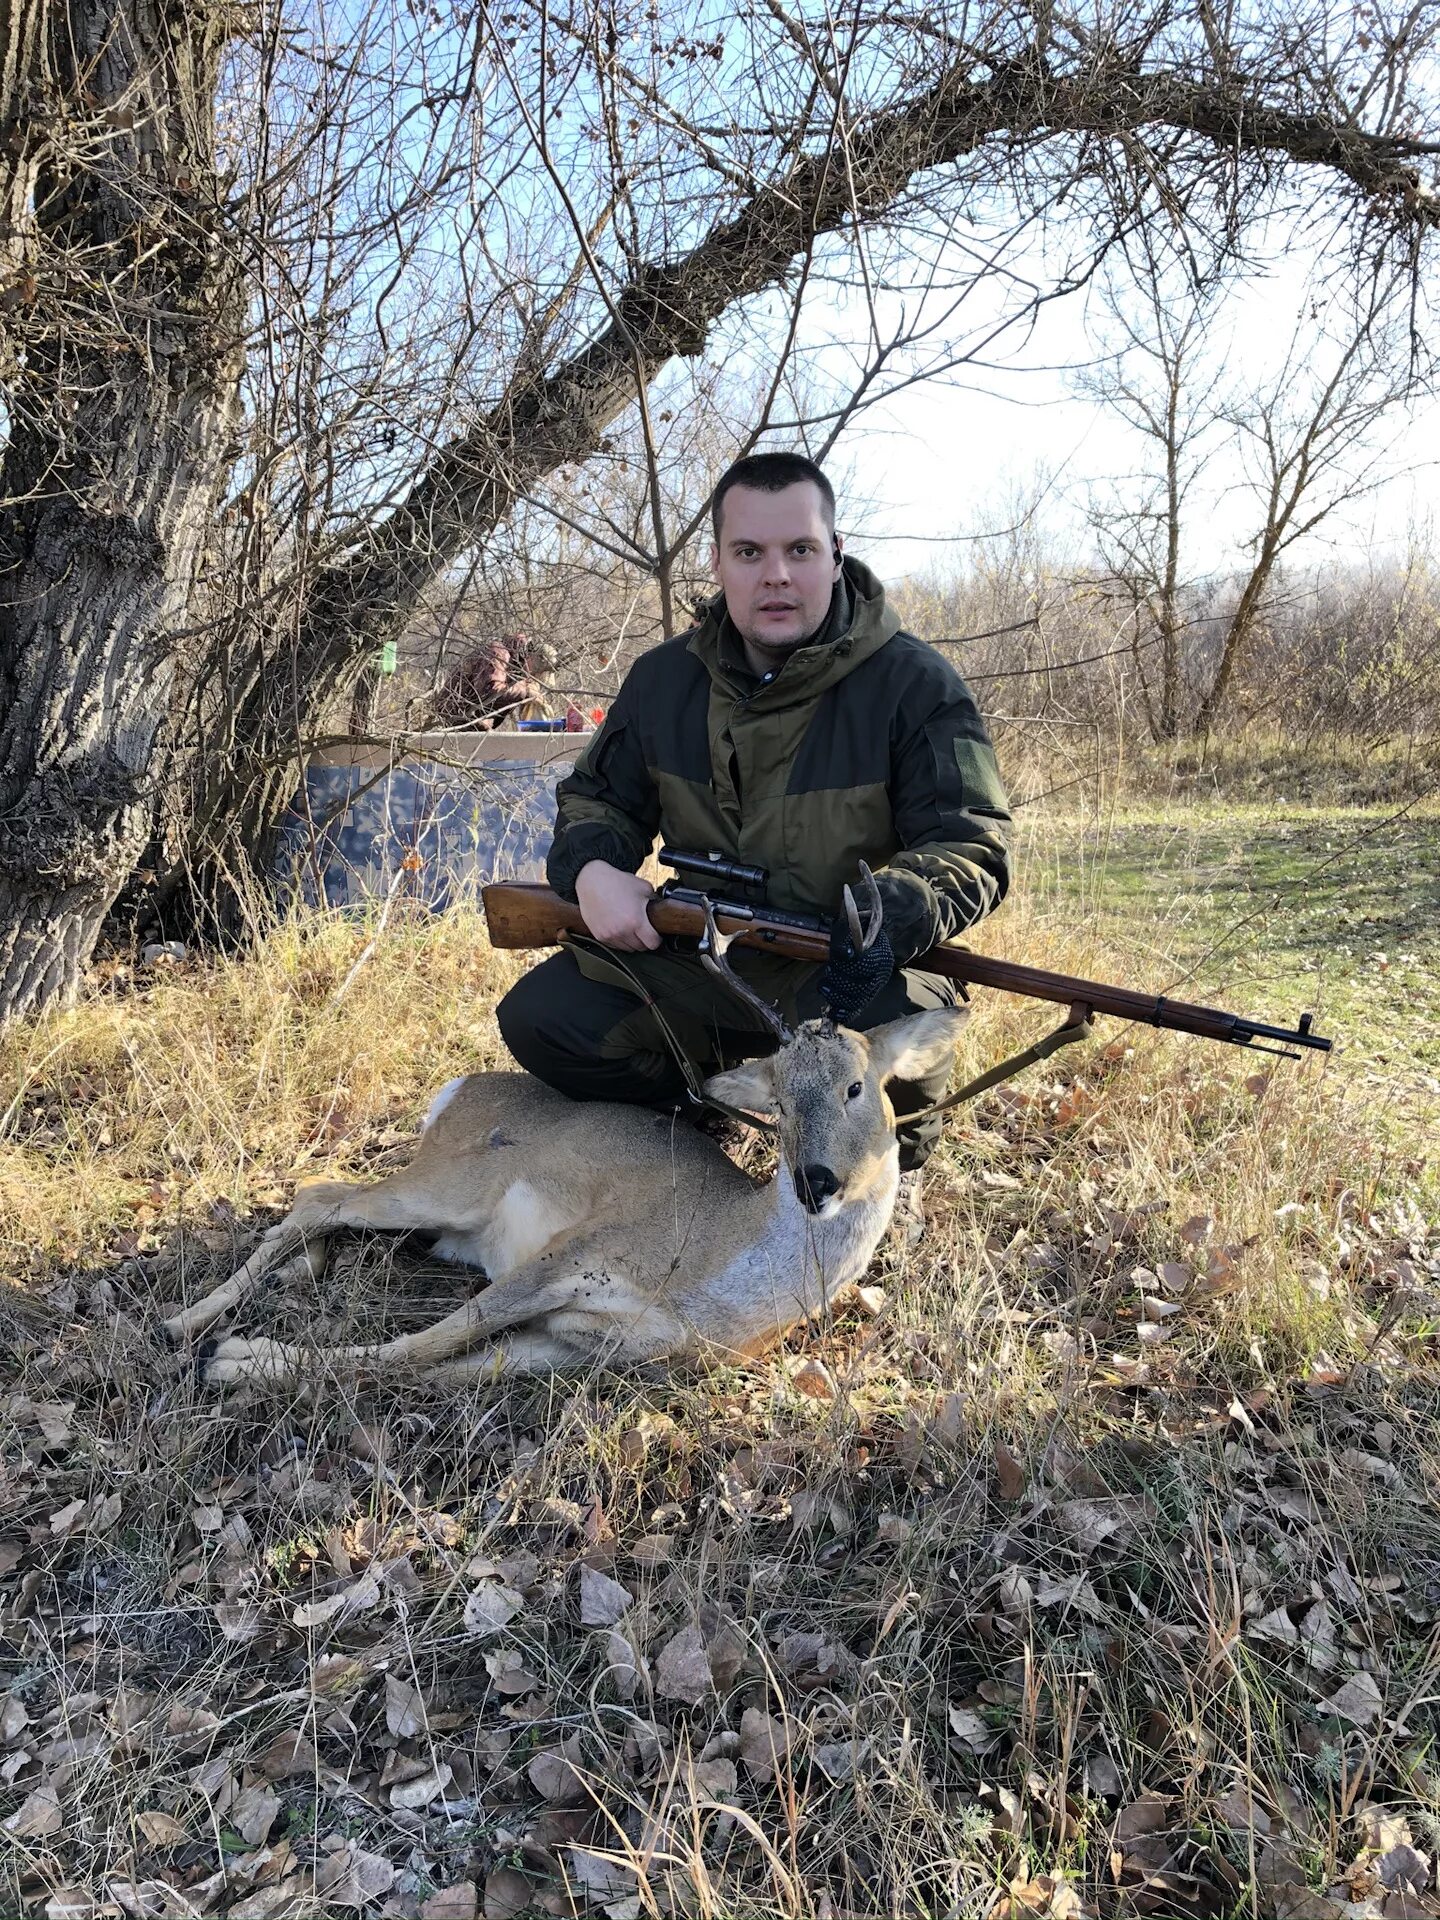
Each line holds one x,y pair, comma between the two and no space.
825,1086
825,1090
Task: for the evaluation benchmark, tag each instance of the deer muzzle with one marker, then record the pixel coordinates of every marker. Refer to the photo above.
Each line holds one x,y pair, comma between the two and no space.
814,1185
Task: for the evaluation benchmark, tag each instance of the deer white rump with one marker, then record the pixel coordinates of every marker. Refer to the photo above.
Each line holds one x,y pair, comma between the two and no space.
611,1234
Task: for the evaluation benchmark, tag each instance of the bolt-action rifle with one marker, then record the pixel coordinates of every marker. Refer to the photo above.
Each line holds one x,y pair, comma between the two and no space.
524,914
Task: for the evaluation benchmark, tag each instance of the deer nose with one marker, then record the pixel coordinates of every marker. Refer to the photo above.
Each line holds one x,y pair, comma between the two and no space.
814,1185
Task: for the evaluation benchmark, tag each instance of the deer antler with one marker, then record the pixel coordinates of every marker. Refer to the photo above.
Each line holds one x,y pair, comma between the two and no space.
865,936
714,946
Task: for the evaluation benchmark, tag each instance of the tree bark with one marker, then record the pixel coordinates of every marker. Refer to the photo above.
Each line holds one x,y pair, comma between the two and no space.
110,476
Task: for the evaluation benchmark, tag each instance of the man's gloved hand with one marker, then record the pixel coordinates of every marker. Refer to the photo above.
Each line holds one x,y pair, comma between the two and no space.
852,978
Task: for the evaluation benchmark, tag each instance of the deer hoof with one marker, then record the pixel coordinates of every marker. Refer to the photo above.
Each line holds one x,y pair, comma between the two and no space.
228,1363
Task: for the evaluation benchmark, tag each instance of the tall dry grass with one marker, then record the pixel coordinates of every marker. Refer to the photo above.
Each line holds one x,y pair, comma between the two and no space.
1029,1584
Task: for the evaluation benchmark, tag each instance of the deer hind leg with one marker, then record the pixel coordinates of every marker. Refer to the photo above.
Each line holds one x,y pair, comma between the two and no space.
526,1351
583,1314
506,1303
394,1204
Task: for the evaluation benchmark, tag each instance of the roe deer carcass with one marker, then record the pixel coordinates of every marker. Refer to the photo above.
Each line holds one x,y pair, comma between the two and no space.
612,1234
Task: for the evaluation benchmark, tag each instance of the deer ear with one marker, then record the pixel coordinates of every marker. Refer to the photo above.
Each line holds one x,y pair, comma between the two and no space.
751,1086
918,1045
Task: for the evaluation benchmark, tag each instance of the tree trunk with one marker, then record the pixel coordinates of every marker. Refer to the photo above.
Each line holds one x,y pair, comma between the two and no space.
116,447
1237,639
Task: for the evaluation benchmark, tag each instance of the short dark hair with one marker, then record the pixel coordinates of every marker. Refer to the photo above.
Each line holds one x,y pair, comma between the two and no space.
771,473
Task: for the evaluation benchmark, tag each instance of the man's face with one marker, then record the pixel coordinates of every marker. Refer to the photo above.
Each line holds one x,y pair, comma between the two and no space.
776,564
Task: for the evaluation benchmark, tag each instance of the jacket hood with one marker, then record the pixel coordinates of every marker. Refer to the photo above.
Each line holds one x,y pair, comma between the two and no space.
810,669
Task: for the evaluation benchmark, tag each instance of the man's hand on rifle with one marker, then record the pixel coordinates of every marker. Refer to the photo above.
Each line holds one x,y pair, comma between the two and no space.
854,974
613,903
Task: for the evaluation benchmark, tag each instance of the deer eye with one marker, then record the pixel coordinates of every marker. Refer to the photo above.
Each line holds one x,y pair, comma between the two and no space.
856,1090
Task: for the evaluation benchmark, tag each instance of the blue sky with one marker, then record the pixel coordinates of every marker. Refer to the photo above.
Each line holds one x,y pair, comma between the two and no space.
950,458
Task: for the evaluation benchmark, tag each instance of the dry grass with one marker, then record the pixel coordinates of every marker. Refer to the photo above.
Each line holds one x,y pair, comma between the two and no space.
1092,1565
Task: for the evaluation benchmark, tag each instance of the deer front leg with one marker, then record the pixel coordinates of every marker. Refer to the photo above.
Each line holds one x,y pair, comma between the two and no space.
396,1204
268,1262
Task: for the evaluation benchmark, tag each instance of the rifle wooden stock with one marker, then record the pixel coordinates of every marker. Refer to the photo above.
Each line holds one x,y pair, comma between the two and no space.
524,914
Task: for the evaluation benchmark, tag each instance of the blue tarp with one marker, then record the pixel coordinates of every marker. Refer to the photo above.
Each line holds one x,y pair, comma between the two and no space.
443,829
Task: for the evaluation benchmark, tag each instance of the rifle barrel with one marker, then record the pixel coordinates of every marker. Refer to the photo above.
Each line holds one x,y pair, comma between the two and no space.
1121,1003
524,914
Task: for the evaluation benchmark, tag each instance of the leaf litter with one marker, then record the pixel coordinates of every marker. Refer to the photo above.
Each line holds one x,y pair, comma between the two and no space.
1029,1581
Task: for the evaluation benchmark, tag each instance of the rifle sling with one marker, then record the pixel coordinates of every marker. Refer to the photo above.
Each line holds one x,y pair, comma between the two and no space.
694,1084
1076,1027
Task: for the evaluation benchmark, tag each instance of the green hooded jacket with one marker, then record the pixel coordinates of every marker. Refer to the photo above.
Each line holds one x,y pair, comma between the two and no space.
865,744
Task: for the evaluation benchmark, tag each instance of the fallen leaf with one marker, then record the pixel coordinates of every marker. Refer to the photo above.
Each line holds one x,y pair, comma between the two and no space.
13,1718
1382,1827
339,1673
161,1829
839,1759
553,1773
682,1668
1404,1866
353,1878
1088,1522
602,1600
601,1877
459,1902
651,1550
74,1903
67,1518
1015,1592
507,1894
1236,1809
37,1817
1358,1701
253,1813
190,1727
315,1613
717,1778
1073,1590
404,1708
424,1788
1008,1471
506,1667
104,1513
725,1650
814,1379
1102,1776
972,1730
490,1608
1148,1814
764,1743
53,1418
239,1620
287,1754
1275,1626
623,1664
